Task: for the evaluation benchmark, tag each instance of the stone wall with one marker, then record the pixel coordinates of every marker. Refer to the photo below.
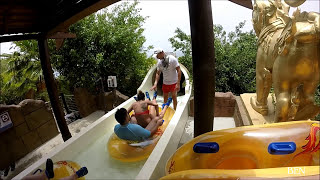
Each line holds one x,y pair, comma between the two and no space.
33,125
120,98
240,115
88,103
85,102
224,105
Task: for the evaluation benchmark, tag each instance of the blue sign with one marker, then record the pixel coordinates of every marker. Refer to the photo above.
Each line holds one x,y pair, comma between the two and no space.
5,121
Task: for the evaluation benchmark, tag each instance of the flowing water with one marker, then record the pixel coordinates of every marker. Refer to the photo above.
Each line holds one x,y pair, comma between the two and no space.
101,166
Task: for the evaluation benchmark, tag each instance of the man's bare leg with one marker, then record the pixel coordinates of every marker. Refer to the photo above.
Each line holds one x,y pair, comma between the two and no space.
47,173
81,172
72,177
41,176
154,125
133,120
174,98
155,100
157,121
161,115
152,110
165,97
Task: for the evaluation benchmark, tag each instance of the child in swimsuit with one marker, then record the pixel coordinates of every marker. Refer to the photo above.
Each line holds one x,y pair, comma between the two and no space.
142,115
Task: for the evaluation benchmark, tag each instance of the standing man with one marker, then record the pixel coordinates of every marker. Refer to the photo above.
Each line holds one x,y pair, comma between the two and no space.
169,66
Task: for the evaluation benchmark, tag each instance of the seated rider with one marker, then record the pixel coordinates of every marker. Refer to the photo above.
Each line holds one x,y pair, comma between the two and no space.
134,132
142,115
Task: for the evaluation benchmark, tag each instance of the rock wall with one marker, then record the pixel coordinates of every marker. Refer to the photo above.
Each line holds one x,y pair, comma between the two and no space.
85,101
120,98
240,115
33,125
88,103
224,105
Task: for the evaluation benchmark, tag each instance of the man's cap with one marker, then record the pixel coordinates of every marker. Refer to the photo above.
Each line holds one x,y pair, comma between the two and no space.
158,50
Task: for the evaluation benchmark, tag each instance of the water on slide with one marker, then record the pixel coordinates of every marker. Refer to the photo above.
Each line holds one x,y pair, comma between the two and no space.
101,165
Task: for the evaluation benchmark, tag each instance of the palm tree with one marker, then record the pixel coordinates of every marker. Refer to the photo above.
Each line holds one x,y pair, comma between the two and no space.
23,70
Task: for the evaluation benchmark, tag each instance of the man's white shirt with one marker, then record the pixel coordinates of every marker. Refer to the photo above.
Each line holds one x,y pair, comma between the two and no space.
170,74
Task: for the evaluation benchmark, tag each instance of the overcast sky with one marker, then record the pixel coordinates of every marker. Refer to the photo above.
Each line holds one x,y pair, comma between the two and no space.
166,15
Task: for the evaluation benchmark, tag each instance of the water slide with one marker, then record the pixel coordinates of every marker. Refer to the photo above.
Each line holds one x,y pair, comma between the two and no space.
89,147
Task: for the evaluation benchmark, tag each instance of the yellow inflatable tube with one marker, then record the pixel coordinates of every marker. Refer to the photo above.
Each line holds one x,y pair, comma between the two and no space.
251,150
64,169
128,151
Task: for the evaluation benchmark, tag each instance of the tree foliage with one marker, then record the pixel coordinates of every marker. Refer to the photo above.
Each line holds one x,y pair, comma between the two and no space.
234,54
182,42
20,72
107,43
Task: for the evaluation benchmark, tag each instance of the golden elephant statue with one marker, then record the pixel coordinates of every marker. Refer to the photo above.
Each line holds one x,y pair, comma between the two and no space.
287,56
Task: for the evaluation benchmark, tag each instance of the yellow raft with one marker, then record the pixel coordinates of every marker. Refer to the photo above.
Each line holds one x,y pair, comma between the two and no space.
128,151
289,149
64,169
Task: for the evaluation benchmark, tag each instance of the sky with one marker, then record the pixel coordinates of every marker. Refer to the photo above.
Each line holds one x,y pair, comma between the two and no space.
165,16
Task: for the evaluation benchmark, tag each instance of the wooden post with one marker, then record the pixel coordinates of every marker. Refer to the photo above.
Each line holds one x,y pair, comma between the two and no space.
203,62
52,88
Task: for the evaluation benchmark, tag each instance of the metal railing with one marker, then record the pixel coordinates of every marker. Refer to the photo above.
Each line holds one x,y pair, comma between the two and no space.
69,103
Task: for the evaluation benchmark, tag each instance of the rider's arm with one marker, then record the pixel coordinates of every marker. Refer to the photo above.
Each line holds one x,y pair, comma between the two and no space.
130,108
152,103
179,74
157,78
177,65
